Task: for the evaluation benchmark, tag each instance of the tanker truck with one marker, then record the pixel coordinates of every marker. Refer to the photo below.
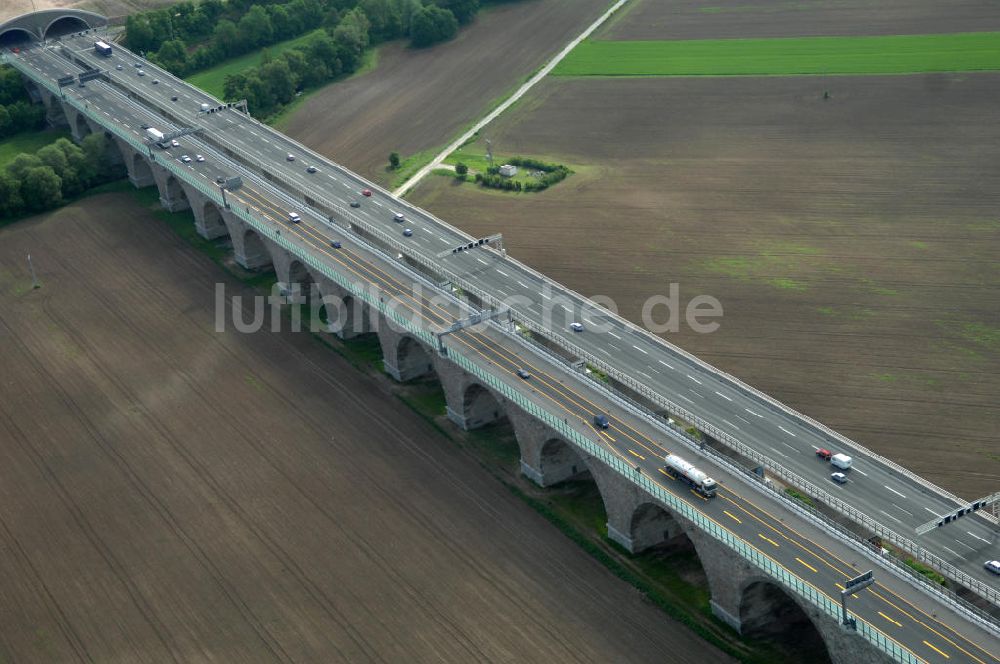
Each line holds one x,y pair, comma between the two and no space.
680,469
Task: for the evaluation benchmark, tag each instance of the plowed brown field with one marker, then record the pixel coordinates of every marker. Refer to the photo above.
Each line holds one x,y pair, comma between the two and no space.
420,99
854,242
748,19
169,493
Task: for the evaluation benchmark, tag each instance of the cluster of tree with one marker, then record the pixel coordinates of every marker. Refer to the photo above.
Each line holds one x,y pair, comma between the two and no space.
188,37
322,58
17,113
185,38
147,31
60,170
550,174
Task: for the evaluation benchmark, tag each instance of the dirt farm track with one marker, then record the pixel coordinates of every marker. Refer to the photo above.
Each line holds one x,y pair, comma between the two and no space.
168,493
415,100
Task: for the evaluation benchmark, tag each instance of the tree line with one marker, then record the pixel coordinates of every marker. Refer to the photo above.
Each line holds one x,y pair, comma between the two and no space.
188,37
17,113
57,172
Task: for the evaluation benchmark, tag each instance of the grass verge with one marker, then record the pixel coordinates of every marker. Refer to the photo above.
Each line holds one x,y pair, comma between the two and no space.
801,497
213,79
28,141
892,54
410,165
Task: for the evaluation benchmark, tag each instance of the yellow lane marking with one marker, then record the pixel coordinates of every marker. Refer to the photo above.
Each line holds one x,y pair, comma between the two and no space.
804,563
731,516
897,624
634,453
608,436
666,474
852,594
937,650
768,539
501,352
695,493
877,585
928,627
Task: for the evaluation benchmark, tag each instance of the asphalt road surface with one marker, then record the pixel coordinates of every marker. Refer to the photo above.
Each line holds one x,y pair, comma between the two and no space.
879,490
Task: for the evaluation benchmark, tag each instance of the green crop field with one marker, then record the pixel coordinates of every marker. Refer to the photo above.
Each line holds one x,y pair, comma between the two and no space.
895,54
213,79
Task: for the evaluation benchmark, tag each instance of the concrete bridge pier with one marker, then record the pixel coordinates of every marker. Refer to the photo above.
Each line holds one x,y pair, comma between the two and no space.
403,357
209,221
172,195
470,404
55,114
140,173
546,459
249,249
347,316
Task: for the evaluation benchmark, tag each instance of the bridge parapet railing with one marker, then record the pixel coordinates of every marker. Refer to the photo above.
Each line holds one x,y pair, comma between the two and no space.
765,399
814,516
773,569
913,548
212,193
735,382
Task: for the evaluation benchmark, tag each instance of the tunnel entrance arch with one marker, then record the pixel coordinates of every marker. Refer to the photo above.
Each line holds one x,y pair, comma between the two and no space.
64,25
48,24
15,37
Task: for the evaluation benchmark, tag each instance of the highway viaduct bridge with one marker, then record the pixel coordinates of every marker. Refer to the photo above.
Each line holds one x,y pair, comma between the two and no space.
771,564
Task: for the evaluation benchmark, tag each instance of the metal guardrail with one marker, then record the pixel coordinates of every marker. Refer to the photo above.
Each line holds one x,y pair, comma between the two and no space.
735,382
919,553
817,518
766,400
766,564
825,603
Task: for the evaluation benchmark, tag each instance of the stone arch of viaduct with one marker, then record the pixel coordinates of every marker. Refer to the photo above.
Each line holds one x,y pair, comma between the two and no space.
740,595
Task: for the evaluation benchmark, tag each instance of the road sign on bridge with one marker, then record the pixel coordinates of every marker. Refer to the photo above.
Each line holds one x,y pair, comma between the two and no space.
850,587
965,510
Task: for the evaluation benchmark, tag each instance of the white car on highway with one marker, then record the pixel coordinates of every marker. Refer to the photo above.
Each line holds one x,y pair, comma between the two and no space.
186,159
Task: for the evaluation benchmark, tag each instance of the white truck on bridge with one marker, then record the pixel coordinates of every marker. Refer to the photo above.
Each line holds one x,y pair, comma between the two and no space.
698,480
156,136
